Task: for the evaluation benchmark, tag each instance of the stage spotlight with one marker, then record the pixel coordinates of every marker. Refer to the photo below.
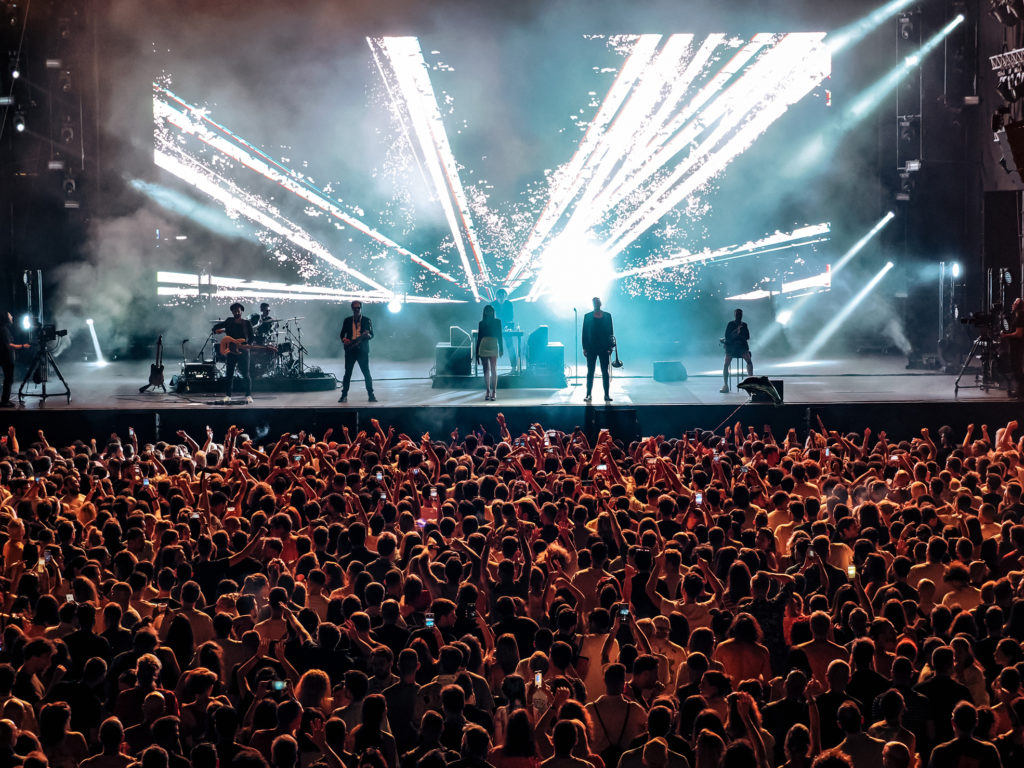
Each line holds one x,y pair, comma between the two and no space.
784,316
395,305
833,325
100,361
19,122
26,322
908,30
955,269
15,68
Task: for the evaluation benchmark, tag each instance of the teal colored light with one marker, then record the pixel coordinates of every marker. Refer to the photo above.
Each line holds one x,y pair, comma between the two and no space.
853,33
876,93
829,330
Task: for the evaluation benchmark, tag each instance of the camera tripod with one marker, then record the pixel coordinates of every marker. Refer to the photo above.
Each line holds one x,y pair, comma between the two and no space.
986,348
38,373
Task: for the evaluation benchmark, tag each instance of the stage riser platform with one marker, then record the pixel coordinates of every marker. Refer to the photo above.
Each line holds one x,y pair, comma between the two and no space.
64,424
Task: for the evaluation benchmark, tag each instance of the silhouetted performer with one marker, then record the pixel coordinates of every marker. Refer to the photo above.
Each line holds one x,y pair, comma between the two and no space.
1014,339
237,327
736,337
7,347
597,345
263,324
356,333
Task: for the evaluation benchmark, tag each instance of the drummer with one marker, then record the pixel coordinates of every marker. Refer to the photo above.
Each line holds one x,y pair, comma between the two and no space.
263,324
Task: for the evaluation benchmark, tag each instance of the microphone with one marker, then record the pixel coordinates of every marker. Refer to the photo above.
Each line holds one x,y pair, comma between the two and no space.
184,341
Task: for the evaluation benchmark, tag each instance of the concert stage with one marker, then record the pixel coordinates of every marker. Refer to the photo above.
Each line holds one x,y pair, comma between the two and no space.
847,393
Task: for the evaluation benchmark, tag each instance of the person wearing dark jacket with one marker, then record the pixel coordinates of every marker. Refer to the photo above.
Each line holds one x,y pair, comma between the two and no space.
356,332
598,340
489,347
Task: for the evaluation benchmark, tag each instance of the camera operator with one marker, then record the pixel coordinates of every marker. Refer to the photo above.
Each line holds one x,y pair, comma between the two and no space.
7,347
1015,347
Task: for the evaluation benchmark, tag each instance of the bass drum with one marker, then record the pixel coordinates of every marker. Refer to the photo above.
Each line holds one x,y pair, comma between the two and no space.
263,361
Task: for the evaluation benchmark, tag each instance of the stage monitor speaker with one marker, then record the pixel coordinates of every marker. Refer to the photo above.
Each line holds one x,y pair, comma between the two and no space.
538,339
548,358
669,371
761,397
451,361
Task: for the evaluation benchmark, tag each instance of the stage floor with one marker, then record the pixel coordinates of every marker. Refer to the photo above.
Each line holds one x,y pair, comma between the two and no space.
863,379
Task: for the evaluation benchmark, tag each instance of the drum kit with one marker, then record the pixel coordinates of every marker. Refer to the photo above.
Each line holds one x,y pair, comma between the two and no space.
277,349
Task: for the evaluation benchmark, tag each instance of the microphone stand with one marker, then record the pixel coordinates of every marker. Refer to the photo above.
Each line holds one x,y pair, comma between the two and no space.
576,347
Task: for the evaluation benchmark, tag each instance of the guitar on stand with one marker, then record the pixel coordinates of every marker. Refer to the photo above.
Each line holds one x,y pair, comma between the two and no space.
232,346
156,370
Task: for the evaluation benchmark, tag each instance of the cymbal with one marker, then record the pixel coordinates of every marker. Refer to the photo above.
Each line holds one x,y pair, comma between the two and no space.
291,319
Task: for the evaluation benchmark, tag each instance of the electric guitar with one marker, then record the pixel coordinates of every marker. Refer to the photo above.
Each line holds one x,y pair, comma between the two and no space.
156,370
233,346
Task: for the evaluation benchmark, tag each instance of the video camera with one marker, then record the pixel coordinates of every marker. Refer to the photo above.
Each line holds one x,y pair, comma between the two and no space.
43,334
985,321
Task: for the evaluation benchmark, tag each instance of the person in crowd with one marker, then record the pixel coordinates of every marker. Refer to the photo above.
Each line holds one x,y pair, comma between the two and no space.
382,601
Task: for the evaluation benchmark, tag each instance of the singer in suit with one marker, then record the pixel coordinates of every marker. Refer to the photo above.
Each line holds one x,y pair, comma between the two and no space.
736,341
356,332
597,345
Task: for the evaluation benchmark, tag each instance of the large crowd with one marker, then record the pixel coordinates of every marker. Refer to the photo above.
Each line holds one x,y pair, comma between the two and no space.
731,599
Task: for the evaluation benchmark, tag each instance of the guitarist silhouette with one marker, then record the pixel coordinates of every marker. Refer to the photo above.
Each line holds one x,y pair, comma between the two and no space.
156,371
240,330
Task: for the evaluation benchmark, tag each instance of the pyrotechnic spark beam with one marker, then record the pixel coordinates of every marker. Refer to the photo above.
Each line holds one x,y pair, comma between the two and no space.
634,121
655,131
206,181
679,132
413,78
195,122
567,180
632,151
396,107
778,241
823,280
795,81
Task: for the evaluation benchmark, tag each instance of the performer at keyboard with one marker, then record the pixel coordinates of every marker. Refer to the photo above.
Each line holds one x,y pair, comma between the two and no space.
356,333
263,325
237,327
597,345
736,339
